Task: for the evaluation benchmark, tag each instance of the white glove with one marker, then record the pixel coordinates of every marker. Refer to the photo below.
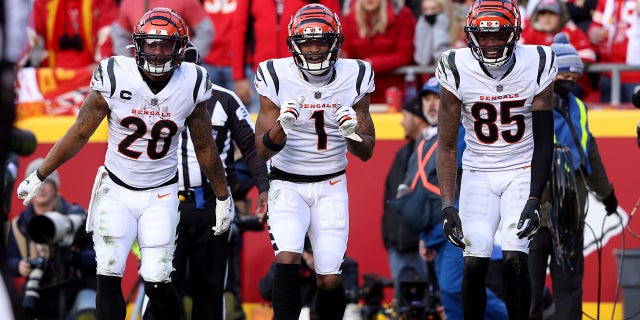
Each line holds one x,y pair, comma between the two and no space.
289,111
347,120
29,188
223,216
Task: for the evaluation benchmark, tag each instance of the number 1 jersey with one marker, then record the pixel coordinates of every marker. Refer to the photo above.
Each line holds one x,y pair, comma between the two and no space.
314,146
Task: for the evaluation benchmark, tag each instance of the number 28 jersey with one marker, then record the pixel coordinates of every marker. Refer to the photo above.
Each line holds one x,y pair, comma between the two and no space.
496,114
144,127
314,146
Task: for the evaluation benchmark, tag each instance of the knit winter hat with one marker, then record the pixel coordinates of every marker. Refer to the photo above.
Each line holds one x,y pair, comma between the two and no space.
566,55
414,106
549,5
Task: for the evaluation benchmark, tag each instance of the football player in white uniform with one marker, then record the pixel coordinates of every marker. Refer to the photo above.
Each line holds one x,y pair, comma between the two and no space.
147,101
502,91
313,108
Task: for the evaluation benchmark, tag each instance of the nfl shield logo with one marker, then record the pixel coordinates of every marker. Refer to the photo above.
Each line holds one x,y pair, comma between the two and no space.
317,95
499,88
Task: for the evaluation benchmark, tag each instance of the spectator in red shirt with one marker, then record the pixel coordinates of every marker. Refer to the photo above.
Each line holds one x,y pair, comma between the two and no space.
253,41
609,32
218,61
201,29
375,33
551,17
70,33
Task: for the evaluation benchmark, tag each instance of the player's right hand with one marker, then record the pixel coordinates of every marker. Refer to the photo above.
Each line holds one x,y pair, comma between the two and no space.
452,226
29,188
347,122
289,112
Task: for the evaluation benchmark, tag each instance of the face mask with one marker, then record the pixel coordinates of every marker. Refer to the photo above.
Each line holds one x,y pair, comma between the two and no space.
431,18
563,87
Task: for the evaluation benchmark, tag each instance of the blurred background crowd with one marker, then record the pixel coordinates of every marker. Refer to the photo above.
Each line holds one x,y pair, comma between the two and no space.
68,37
402,39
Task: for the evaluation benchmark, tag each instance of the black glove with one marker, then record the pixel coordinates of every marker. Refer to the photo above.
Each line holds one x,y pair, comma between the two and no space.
530,212
611,203
452,226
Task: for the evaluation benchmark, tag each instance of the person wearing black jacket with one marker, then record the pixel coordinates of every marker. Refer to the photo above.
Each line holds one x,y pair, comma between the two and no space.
206,253
400,242
577,170
68,269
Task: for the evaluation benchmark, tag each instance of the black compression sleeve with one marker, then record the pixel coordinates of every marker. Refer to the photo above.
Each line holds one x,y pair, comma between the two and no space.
542,121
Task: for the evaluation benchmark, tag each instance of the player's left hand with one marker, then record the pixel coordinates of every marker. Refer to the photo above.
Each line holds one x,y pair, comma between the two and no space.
347,120
530,212
29,188
452,226
223,216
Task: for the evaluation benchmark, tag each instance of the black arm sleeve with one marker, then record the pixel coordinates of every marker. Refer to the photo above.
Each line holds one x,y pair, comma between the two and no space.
244,136
542,151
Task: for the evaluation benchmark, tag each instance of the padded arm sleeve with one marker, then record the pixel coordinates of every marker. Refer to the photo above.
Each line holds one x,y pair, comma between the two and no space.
542,151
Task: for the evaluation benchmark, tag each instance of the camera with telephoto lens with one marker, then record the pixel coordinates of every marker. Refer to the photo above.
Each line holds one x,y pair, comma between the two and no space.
417,301
32,284
55,228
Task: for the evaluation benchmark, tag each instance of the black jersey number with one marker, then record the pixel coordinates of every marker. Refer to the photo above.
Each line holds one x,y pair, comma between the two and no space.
163,130
486,116
319,126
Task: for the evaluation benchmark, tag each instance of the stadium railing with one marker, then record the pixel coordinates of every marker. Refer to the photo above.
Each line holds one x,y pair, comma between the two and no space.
614,68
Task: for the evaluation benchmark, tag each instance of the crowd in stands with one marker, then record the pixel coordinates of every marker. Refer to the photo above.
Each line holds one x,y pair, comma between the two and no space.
233,36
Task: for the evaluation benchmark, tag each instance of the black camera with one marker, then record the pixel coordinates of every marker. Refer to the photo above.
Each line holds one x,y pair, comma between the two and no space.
55,228
23,142
71,42
372,292
417,301
32,285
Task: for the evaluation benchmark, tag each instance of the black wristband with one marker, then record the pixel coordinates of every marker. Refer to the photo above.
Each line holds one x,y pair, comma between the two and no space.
266,140
223,198
39,176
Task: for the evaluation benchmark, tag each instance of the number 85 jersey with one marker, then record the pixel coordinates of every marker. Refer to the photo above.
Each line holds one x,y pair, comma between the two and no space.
496,113
144,127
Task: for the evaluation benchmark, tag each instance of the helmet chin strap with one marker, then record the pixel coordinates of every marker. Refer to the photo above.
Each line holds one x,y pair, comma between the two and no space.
157,70
496,63
315,69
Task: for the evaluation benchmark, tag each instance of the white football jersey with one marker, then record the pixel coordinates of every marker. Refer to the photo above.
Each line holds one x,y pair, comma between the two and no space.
314,146
496,114
143,126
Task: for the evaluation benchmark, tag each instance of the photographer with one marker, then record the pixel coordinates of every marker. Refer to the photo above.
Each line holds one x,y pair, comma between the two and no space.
55,273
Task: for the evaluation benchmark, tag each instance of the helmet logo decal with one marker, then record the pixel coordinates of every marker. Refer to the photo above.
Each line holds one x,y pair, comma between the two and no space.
489,24
312,30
